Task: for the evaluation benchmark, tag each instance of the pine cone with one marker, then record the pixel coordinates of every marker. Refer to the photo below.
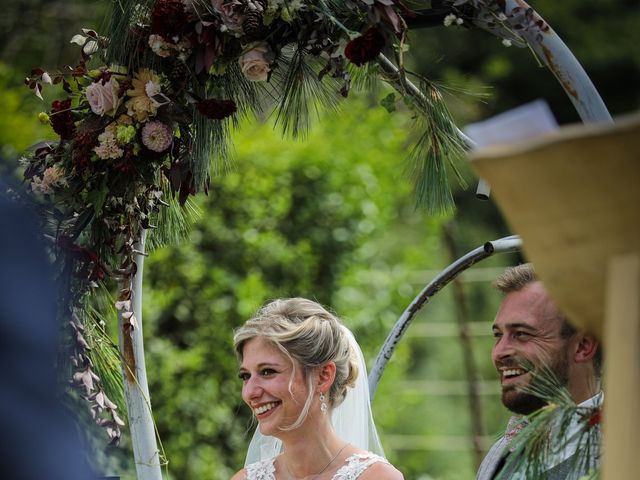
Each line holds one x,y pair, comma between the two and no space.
252,25
178,75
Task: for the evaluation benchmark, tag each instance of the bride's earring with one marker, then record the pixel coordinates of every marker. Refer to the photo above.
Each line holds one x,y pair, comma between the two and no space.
323,403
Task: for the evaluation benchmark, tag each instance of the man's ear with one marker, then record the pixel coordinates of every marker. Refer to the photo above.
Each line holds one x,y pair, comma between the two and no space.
326,376
586,348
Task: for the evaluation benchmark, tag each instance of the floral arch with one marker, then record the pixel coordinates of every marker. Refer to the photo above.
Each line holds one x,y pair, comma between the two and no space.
148,111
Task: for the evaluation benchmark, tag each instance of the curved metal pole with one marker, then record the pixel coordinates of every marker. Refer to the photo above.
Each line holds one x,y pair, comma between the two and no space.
559,59
502,245
529,25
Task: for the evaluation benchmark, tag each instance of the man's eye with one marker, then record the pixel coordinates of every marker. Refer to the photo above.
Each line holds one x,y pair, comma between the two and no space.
497,334
521,334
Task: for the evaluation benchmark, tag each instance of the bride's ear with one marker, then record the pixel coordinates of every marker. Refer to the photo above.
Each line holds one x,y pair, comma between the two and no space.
326,376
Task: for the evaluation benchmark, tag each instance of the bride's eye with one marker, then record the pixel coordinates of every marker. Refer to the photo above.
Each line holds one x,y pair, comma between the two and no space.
265,372
244,376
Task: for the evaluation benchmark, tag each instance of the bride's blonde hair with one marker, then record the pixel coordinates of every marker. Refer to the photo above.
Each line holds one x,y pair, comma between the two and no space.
309,335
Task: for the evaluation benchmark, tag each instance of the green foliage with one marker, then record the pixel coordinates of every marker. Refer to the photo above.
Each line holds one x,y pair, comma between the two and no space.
19,124
294,218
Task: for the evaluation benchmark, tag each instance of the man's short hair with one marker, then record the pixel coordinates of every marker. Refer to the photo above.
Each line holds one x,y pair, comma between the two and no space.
516,278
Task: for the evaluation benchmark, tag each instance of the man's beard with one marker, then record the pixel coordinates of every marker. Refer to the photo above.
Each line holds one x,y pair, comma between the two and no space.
524,403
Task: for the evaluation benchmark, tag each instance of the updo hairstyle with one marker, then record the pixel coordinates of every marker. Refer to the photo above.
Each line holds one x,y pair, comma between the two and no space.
305,331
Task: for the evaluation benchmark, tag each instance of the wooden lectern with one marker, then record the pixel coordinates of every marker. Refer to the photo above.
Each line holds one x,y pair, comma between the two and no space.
574,198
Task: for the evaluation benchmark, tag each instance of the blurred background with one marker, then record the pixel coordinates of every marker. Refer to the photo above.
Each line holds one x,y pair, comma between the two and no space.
331,217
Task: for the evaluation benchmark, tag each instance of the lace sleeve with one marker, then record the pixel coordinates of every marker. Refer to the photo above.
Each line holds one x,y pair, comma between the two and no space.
356,464
264,470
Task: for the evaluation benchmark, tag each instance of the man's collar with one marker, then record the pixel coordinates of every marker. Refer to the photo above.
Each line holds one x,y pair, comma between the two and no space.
594,401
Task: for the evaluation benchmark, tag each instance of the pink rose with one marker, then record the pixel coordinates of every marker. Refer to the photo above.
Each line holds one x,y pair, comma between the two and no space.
254,64
103,99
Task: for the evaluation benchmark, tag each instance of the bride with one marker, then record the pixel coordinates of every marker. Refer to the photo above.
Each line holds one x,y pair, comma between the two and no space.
304,378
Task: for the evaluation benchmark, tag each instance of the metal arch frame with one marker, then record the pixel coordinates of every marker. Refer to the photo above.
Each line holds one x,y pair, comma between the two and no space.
502,245
546,44
588,104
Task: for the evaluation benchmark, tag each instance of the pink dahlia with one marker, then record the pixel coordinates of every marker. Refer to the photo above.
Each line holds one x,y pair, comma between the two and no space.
157,136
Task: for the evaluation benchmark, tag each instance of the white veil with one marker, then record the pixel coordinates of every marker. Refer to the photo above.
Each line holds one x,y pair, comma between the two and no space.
352,419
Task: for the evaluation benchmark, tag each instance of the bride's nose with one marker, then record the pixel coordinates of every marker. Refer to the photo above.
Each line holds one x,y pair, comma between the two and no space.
252,389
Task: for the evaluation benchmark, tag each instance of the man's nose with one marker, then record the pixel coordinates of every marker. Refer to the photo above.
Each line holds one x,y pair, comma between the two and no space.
503,348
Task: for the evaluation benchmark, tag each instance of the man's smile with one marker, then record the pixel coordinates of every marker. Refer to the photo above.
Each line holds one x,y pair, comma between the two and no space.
511,375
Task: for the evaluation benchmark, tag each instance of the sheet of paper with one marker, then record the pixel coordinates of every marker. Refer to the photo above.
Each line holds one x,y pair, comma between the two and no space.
526,121
529,120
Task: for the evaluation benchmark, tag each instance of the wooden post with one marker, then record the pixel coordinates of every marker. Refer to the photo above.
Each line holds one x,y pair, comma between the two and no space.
622,369
470,367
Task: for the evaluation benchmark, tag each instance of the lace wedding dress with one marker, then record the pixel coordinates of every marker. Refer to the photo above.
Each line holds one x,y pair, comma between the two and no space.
352,468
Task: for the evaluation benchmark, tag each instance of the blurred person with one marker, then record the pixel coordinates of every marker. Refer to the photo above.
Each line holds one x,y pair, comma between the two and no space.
39,440
531,332
298,365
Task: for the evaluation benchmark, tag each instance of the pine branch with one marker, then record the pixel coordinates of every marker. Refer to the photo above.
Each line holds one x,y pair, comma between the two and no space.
554,431
174,223
440,146
104,355
302,91
365,78
123,39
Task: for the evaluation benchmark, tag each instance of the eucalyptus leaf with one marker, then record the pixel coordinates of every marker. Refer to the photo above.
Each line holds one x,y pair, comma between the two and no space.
389,102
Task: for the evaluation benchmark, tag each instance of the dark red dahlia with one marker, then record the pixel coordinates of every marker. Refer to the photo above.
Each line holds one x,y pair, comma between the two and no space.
169,19
83,144
366,47
216,109
594,419
62,119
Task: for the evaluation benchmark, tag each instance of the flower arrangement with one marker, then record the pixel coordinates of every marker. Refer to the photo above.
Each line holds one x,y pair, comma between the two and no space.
174,73
149,107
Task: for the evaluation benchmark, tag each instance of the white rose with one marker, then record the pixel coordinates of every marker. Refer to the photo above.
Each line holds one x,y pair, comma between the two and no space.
103,99
254,64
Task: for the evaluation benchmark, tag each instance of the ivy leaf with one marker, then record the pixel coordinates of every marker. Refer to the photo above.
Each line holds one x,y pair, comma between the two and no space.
98,196
389,102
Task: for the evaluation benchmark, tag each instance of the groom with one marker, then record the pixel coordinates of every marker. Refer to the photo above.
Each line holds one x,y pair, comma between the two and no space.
529,327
